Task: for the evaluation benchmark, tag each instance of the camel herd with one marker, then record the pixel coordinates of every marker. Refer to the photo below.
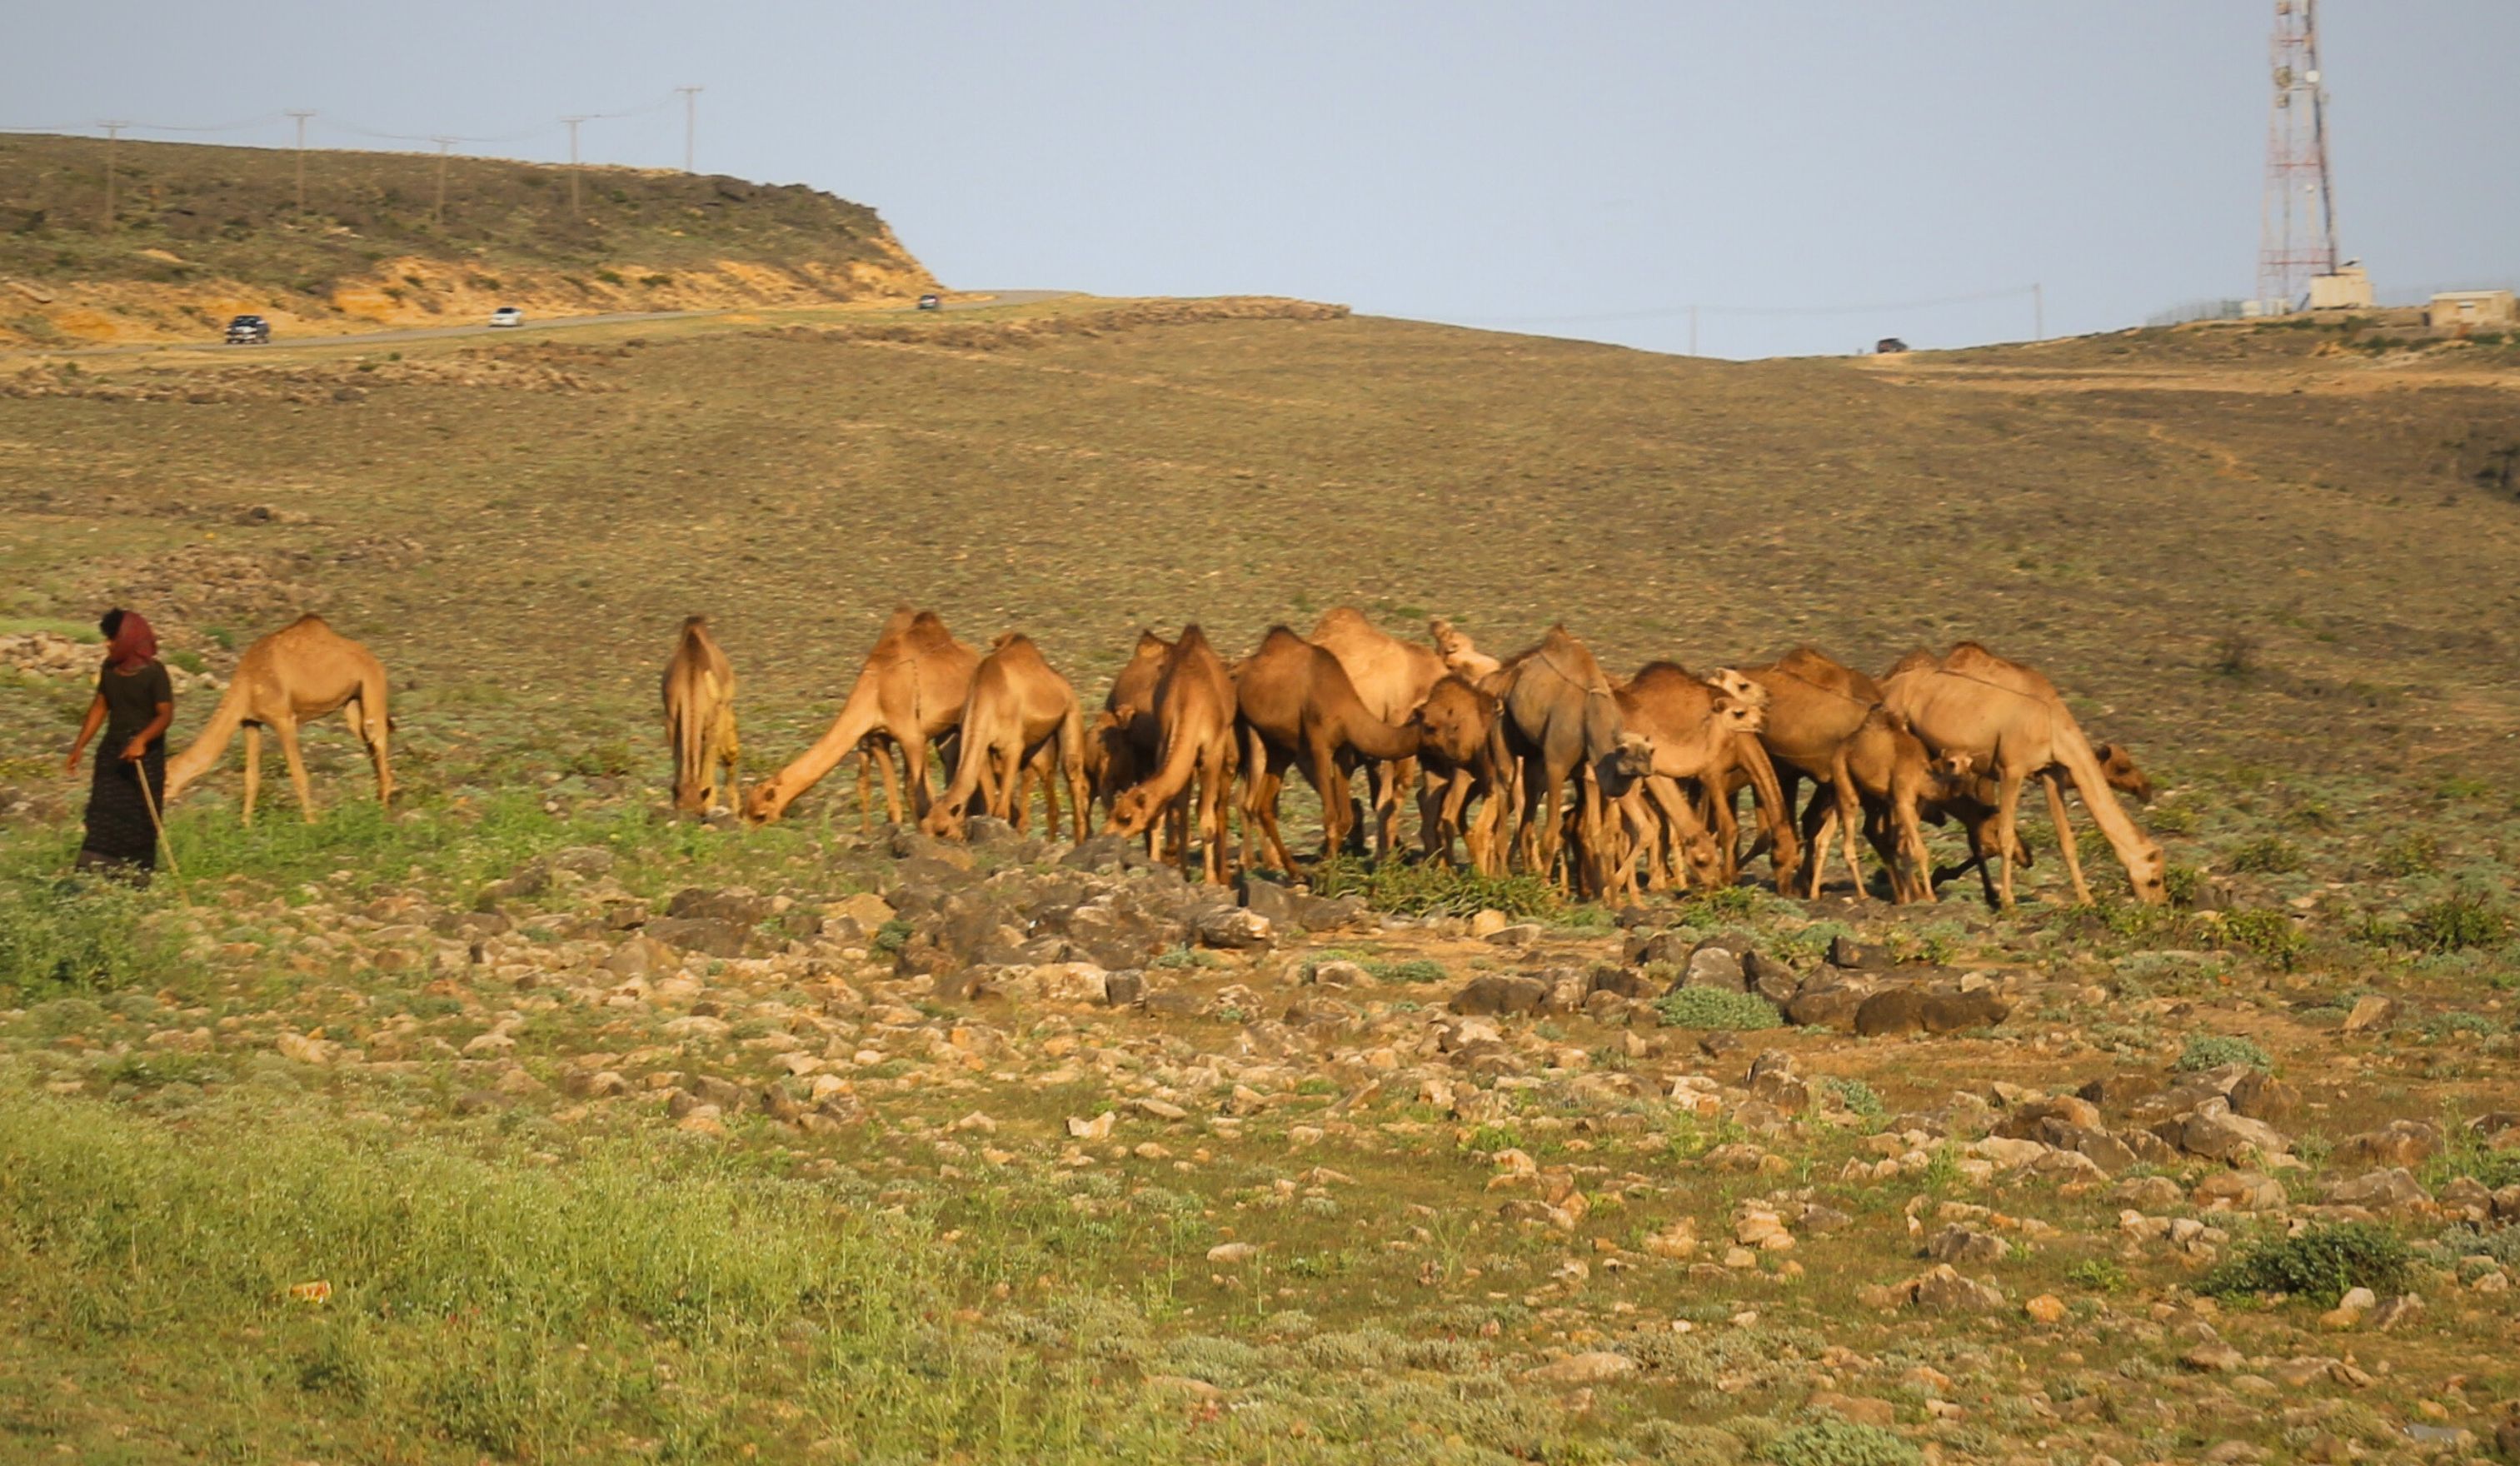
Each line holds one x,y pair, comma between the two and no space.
1539,762
1604,785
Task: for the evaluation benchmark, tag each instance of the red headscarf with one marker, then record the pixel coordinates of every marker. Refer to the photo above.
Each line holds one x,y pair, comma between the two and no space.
134,645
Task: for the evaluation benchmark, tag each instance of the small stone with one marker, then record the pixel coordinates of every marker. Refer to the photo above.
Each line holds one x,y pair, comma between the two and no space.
1487,922
2396,1310
1232,1252
2046,1308
2213,1358
1595,1367
1097,1129
2371,1011
1520,934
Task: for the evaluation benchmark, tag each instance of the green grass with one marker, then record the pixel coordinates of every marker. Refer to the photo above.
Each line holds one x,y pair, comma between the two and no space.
2214,1050
1431,889
1717,1008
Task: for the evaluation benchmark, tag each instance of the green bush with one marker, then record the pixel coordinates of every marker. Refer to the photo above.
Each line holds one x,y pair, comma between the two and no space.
2418,854
2214,1050
2456,923
1830,1442
91,938
2099,1275
2319,1265
1858,1097
2500,1243
1414,970
2273,935
1431,888
1717,1007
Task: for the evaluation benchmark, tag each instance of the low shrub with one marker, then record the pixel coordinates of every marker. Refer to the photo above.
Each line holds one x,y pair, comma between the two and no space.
2270,855
2319,1265
1414,970
1717,1007
2214,1050
2456,923
1431,888
2272,935
1830,1442
92,938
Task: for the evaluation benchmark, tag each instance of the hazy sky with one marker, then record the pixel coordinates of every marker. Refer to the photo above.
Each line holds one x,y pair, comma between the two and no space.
1483,163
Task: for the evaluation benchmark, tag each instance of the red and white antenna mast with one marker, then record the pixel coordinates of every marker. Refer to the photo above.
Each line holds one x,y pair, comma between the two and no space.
2297,236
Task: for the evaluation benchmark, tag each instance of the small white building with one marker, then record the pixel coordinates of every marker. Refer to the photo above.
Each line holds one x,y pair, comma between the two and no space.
2349,288
2458,312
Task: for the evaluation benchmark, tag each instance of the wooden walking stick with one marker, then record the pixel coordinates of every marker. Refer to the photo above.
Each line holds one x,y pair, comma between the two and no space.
149,796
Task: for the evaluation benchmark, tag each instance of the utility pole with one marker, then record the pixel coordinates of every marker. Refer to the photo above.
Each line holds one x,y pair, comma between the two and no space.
113,136
691,120
443,143
575,212
301,117
2038,313
1692,331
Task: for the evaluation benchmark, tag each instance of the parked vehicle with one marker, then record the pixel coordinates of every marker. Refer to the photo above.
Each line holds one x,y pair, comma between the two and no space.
249,330
1889,346
507,315
931,302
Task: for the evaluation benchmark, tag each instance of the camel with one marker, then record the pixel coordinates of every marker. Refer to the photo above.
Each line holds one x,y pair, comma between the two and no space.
1391,677
700,718
1020,715
2009,721
1816,707
1557,714
1958,792
297,674
1294,704
1458,654
1195,719
1120,746
1458,752
1894,782
1679,711
912,688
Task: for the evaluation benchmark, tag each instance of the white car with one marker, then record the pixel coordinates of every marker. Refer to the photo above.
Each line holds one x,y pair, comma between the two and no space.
507,315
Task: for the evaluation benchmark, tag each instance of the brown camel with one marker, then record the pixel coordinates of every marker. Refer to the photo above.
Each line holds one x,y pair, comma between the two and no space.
1021,716
1894,782
1678,709
700,718
912,688
1391,677
1120,746
297,674
2009,721
1558,714
1457,749
1195,743
1815,707
1296,705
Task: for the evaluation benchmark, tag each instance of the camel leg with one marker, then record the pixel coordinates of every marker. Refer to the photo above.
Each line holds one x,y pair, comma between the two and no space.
253,767
2008,814
1263,806
1212,819
866,792
914,754
288,735
1331,782
371,731
2065,837
1447,823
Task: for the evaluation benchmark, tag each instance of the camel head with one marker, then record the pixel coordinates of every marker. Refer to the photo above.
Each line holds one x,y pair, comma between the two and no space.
1704,858
1739,688
2117,766
1131,813
1741,717
764,803
944,822
1631,758
2147,871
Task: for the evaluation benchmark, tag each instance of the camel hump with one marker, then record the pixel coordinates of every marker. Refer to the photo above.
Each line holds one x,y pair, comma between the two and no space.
695,623
1152,644
1811,665
1193,638
1340,618
1277,641
1918,660
1009,638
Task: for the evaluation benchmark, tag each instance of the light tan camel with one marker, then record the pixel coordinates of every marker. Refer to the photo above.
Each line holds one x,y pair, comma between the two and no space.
1459,654
1674,705
1021,715
2010,722
1960,792
1392,677
297,674
1296,705
1194,744
700,718
912,688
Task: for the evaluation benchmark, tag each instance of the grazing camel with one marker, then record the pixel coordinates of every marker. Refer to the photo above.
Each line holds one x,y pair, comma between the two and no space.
1558,714
1458,752
1675,706
2009,721
911,689
700,718
1296,705
1120,746
1020,715
1194,742
297,674
1391,677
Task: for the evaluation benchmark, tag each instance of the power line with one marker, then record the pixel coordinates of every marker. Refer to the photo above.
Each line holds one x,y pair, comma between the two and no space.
1662,311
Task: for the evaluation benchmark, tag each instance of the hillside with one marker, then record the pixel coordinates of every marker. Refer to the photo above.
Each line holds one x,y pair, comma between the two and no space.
528,1123
200,233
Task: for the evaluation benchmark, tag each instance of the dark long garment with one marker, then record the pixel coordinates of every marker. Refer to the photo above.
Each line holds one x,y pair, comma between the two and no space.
119,830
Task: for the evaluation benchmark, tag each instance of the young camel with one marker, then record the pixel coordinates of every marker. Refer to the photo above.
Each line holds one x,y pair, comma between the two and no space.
297,674
2010,721
1894,780
1120,746
1958,792
1020,714
1458,754
912,688
700,718
1815,707
1296,705
1392,677
1672,705
1690,730
1458,654
1194,742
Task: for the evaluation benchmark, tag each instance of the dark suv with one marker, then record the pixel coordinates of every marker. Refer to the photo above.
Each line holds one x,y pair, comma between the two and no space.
249,330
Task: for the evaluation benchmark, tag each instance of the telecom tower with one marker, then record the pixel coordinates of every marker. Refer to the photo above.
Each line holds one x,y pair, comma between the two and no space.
2297,238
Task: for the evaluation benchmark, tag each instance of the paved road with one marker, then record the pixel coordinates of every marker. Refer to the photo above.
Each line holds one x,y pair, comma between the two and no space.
979,299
